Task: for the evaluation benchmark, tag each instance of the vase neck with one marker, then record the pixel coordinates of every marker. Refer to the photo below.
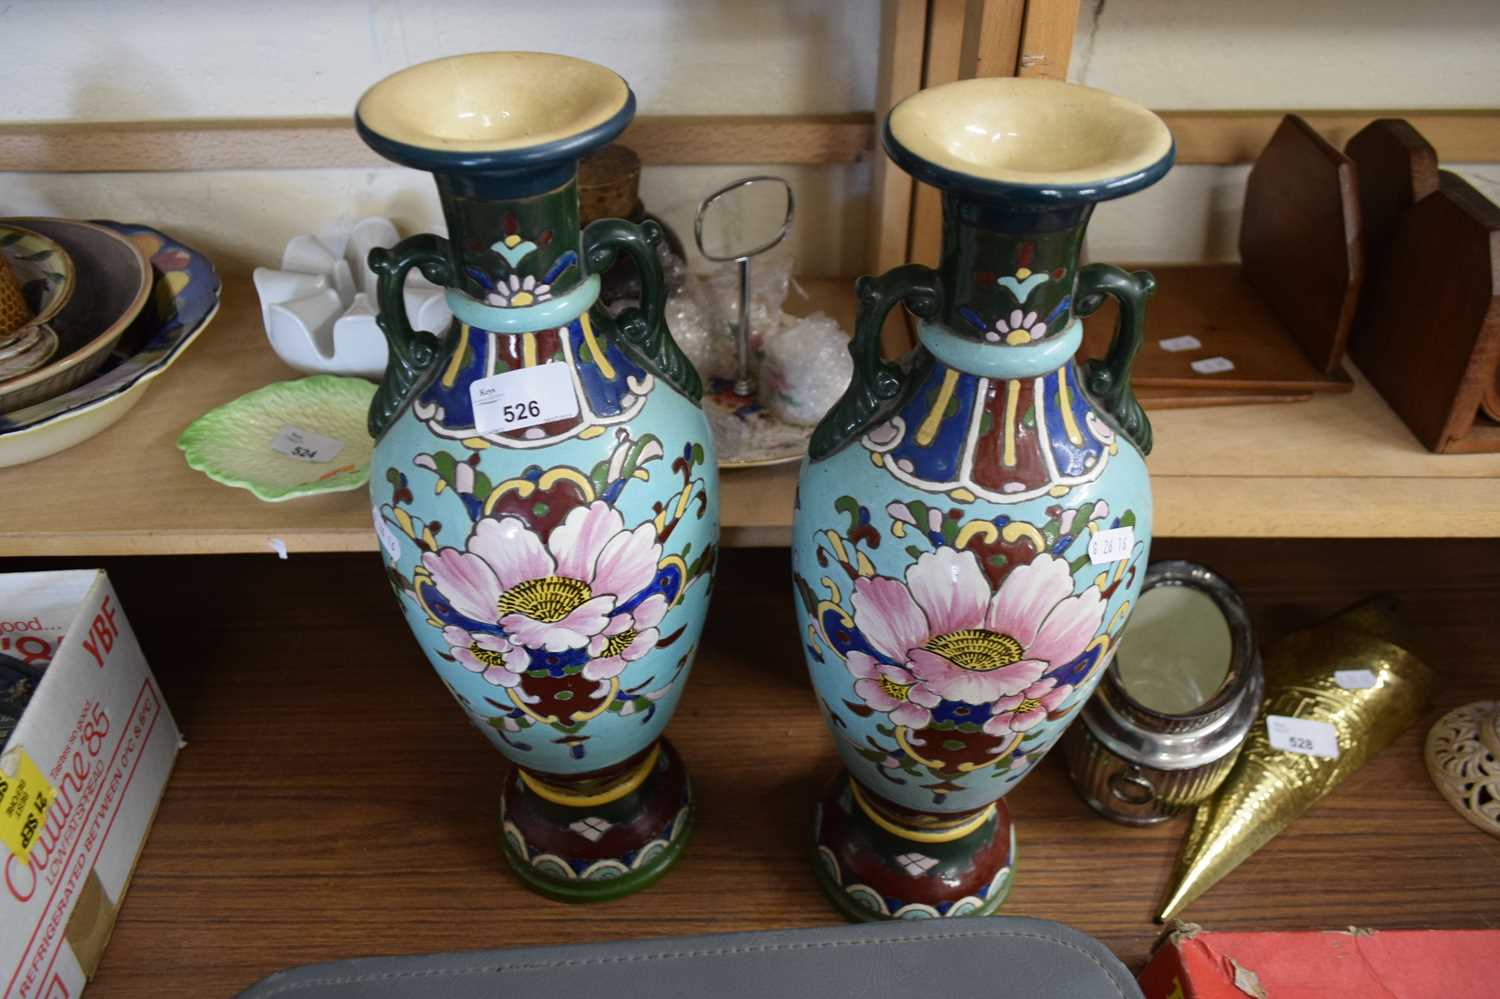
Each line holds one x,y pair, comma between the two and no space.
514,236
1003,361
1008,273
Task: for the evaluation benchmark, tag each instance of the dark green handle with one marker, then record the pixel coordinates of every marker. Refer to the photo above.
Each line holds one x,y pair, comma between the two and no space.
1108,380
412,352
877,383
643,331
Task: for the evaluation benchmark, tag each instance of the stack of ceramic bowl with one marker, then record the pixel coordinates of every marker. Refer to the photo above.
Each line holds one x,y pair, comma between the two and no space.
90,313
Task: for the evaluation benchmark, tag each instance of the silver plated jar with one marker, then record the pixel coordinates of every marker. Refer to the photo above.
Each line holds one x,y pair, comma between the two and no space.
1141,764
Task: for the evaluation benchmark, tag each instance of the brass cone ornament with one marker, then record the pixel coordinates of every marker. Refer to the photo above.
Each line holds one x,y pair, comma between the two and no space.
1270,787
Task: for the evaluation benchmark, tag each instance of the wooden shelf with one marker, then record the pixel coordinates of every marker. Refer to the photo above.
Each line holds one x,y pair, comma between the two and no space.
1203,137
328,143
331,801
1335,466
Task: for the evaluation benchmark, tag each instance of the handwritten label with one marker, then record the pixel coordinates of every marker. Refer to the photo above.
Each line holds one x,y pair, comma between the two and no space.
1180,343
305,445
386,535
1111,546
1305,736
525,397
25,797
1212,365
1354,679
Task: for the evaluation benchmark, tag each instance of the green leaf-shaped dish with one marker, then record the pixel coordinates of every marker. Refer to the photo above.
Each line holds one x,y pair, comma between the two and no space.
233,444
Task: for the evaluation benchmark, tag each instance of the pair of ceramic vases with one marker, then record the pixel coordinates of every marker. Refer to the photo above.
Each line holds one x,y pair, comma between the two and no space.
972,521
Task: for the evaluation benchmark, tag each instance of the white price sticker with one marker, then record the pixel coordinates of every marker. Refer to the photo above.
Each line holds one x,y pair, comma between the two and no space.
304,445
1354,679
1212,365
1181,343
1303,735
386,535
1108,547
525,397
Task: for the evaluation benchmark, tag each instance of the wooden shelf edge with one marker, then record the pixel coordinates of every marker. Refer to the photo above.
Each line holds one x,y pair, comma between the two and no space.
314,143
1226,137
1203,138
1230,507
112,543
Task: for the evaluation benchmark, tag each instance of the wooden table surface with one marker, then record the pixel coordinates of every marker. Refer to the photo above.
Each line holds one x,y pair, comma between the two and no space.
332,802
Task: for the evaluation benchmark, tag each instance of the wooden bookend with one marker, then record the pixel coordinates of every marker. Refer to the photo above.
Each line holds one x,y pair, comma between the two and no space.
1396,168
1431,342
1300,239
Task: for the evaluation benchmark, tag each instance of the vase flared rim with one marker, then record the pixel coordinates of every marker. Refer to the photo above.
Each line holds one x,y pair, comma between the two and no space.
1028,141
494,111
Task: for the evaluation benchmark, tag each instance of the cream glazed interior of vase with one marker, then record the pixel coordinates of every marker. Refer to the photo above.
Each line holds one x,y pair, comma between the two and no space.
1023,131
492,101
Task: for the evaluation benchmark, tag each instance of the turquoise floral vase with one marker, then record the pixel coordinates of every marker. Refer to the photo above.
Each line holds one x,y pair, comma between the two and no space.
973,520
544,484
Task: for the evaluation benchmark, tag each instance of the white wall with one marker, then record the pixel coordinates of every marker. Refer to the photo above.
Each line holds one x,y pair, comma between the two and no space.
133,59
94,60
100,60
1217,54
244,218
1283,54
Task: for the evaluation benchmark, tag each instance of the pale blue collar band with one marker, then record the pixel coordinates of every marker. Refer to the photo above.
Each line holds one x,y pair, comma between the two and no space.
548,315
998,360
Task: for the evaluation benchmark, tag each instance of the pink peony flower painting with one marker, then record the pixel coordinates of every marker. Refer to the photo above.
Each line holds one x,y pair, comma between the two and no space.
553,597
957,640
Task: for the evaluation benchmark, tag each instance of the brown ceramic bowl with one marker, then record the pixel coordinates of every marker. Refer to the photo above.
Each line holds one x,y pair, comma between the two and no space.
113,283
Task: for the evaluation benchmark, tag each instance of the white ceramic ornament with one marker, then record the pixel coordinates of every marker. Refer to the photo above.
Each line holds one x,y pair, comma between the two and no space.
317,309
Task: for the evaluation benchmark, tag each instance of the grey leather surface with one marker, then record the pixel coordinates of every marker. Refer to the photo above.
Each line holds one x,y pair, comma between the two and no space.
992,957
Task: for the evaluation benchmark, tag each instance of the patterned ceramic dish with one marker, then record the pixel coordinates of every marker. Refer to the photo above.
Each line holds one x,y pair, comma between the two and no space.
46,276
45,270
746,433
113,285
287,439
184,300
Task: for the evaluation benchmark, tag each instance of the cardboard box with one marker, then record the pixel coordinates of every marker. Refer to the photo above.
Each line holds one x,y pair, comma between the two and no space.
99,743
1193,963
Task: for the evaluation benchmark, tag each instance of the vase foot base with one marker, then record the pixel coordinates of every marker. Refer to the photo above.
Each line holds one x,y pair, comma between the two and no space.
870,873
591,851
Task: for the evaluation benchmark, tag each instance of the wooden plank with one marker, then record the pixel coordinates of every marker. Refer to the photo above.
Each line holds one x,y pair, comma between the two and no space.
1195,397
1460,136
263,656
1047,38
1216,305
902,46
1251,506
1442,276
992,38
1227,505
903,27
1300,243
1396,167
269,144
1203,137
945,45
